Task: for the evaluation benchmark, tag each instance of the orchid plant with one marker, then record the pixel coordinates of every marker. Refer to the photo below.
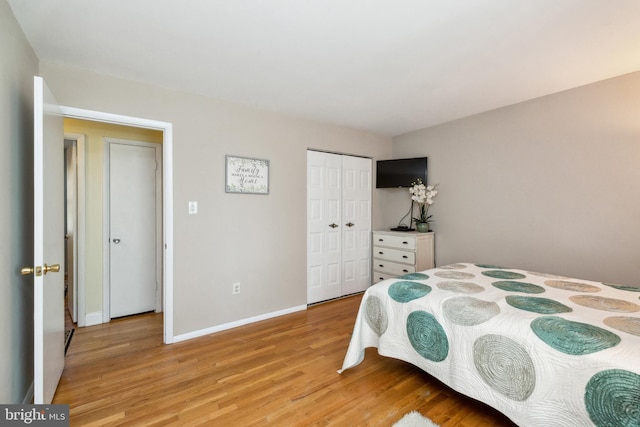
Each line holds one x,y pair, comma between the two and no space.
423,195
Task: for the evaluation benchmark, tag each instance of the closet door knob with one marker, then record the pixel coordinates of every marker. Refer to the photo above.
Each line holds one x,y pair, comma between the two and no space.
349,224
334,225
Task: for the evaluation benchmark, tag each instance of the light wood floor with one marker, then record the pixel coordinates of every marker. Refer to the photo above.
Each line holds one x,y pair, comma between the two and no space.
279,372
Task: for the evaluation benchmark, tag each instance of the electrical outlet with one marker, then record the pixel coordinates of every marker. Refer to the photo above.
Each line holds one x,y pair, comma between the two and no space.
236,288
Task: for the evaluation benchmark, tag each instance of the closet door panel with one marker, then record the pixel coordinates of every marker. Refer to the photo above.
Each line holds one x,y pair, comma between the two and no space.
332,229
316,270
324,239
356,196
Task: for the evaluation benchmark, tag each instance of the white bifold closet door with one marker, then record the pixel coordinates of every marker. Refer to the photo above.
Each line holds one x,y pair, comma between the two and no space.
338,225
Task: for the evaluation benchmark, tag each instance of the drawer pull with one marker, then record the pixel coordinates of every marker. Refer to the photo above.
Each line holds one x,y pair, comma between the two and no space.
406,271
404,256
405,243
380,253
380,265
380,240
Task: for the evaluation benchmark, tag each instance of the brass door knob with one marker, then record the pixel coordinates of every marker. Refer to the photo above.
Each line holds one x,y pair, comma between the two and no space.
30,270
54,268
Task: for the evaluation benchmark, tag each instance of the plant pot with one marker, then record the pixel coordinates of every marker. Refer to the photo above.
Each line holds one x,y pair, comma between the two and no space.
422,227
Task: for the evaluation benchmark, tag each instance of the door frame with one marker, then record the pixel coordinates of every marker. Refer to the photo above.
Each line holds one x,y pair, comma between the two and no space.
79,232
167,197
106,223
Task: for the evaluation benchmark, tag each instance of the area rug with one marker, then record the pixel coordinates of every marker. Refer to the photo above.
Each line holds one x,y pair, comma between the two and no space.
415,419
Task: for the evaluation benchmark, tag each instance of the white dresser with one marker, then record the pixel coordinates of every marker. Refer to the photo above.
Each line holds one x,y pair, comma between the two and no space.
400,252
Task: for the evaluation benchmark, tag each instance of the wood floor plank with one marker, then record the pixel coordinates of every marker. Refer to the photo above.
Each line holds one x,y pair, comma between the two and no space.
278,372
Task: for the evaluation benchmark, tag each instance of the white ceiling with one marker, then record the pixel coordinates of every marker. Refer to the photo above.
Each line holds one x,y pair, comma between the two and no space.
389,66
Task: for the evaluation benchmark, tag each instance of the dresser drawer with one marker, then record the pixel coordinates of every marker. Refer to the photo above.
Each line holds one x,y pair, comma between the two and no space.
392,268
395,255
400,242
379,276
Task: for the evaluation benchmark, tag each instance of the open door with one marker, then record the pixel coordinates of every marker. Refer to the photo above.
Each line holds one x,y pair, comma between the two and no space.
48,274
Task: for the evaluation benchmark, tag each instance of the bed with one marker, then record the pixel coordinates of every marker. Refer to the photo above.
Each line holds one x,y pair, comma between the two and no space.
544,350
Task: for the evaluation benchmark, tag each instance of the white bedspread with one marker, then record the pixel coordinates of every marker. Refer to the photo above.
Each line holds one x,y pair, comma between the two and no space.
542,349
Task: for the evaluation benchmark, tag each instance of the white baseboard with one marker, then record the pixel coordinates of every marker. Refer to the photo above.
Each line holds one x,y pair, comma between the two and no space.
231,325
94,318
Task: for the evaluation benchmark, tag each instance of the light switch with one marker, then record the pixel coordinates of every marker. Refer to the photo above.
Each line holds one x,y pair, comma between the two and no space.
193,208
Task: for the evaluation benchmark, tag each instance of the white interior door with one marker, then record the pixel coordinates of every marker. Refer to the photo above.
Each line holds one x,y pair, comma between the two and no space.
324,226
48,298
133,227
356,224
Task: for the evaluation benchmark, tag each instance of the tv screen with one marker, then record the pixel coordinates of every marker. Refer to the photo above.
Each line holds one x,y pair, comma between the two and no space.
400,172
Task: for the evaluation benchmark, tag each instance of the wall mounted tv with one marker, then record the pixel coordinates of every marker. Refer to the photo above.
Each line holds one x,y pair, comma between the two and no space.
400,172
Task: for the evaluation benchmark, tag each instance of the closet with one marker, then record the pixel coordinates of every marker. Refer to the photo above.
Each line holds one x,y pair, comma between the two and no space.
338,225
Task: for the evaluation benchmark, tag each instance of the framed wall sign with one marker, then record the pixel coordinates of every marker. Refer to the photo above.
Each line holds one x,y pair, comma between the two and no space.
246,175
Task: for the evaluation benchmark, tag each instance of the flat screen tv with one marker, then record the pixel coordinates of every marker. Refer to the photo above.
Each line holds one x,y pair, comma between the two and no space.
400,172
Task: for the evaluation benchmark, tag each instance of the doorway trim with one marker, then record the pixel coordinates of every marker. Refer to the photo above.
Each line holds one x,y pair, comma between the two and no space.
167,196
80,193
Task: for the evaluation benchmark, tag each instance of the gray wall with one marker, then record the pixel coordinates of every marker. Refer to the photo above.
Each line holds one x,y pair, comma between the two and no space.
259,241
551,184
18,65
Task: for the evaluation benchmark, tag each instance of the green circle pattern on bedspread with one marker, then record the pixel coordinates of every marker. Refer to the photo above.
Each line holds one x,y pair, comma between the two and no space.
494,267
573,338
623,287
405,291
413,276
513,286
501,274
427,336
614,395
537,305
